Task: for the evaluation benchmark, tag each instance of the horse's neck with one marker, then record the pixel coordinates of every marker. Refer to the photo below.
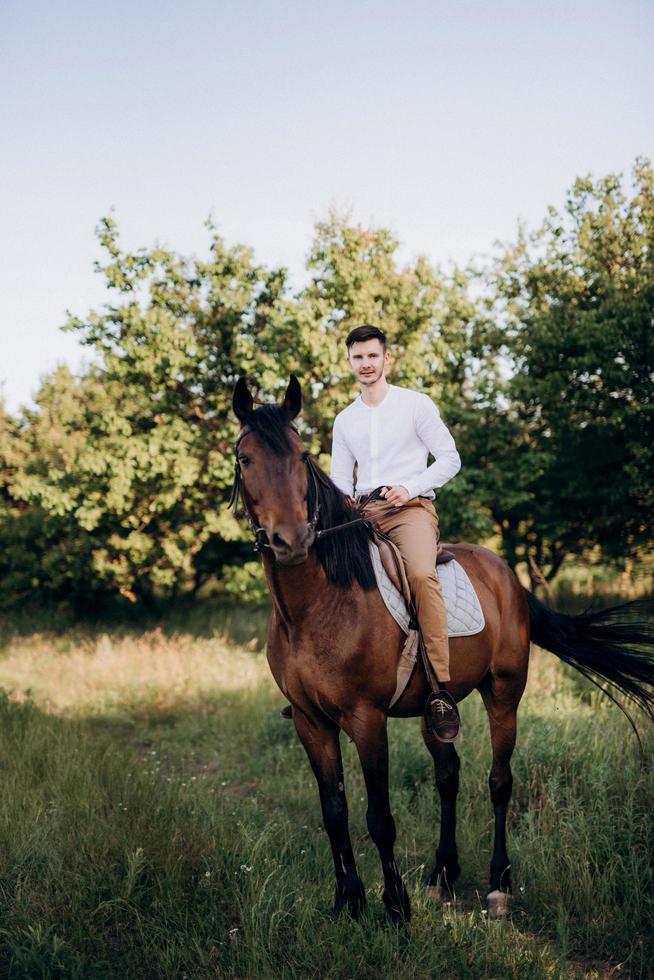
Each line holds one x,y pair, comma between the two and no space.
295,587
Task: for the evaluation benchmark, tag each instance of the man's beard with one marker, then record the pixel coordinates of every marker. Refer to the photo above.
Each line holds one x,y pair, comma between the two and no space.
369,379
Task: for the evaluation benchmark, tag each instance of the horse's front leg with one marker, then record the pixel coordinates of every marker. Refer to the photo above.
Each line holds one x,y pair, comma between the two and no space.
320,739
446,769
371,739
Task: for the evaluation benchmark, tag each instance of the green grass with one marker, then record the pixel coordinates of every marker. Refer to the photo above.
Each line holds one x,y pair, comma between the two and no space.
158,820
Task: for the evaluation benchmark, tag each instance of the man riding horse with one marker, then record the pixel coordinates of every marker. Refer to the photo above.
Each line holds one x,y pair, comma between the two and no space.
387,432
333,646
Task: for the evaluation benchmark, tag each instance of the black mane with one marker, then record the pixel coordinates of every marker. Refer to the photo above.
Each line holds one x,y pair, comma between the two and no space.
343,555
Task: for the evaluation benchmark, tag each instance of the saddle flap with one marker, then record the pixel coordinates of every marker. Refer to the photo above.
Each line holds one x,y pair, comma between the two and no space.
393,565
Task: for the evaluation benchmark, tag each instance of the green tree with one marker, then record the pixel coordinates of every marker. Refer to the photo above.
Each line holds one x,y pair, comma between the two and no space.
41,549
541,362
129,467
141,473
570,349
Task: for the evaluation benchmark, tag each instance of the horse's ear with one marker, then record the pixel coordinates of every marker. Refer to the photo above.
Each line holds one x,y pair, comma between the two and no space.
293,398
242,401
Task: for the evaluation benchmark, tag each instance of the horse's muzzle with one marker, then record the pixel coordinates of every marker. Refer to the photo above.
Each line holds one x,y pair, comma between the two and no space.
290,545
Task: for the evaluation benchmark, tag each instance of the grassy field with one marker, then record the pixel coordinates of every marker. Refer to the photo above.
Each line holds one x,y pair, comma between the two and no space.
158,820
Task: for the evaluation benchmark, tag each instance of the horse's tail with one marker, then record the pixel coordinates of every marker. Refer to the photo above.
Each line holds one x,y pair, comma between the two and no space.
613,648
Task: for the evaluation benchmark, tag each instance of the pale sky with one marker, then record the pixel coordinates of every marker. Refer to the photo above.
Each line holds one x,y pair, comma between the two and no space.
446,122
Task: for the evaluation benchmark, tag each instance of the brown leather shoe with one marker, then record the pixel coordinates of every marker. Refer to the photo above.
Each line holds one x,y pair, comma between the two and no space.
442,716
286,712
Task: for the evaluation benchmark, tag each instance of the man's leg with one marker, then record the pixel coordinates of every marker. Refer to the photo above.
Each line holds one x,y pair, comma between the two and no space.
414,529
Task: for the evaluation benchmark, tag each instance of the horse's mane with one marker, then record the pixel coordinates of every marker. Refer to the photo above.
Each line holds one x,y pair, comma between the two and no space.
343,555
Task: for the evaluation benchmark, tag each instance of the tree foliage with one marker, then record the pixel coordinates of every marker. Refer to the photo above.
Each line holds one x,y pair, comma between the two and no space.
569,315
541,362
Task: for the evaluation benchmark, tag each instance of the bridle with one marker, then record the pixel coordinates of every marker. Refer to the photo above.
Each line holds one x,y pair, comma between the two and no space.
259,533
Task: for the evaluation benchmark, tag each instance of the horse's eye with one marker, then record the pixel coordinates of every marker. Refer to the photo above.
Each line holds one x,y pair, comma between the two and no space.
304,457
244,460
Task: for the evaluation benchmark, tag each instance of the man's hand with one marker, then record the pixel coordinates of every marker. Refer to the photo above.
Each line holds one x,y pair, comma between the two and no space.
396,495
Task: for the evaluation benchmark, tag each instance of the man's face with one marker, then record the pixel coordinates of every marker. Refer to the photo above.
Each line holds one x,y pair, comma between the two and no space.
368,360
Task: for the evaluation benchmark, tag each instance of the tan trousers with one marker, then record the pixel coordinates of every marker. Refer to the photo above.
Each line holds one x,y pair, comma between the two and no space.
413,528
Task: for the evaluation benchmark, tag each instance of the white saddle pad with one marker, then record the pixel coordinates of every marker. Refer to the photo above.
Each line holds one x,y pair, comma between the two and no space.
464,612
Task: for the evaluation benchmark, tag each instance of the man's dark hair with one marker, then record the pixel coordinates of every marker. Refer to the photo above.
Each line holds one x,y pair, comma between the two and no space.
365,332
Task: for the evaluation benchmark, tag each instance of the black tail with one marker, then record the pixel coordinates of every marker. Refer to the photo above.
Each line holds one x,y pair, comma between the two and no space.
614,645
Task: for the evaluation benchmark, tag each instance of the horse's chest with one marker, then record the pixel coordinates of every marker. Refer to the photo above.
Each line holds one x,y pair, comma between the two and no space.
307,663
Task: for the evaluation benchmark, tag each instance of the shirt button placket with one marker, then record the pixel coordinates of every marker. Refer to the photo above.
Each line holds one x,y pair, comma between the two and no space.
374,449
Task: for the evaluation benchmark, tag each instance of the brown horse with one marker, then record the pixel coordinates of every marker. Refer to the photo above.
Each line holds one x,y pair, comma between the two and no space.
333,649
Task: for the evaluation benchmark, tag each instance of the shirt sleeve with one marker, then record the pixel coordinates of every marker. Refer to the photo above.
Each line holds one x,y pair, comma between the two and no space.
435,435
342,464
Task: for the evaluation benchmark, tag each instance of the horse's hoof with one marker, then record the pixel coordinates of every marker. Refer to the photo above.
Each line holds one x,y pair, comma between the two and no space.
398,908
498,904
352,901
437,893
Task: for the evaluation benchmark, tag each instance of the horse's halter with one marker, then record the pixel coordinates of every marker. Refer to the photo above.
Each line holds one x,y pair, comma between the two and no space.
259,532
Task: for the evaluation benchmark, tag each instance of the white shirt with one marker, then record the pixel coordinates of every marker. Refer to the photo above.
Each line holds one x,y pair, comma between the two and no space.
390,444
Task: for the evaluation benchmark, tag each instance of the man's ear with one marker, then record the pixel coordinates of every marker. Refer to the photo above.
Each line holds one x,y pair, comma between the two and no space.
242,401
293,398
